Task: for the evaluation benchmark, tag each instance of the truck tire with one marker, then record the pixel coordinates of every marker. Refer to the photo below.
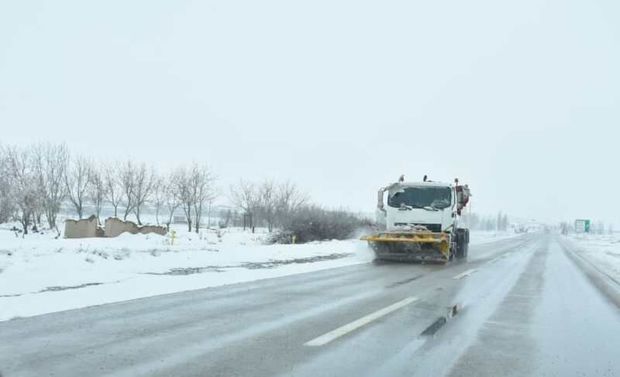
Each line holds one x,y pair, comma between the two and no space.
462,243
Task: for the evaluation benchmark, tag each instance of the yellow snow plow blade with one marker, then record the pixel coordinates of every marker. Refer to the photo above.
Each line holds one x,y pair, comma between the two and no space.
413,246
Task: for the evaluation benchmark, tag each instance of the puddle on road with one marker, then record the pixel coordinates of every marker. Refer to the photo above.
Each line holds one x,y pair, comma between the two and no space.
64,288
13,295
191,270
53,289
276,263
251,265
398,283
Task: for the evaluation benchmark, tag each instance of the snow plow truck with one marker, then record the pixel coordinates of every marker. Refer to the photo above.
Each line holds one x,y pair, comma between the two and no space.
420,222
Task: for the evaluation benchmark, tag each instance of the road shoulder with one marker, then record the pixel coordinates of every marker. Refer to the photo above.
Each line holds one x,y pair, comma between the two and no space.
606,283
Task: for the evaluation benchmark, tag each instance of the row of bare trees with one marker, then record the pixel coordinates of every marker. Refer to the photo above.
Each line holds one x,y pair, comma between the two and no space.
267,202
37,180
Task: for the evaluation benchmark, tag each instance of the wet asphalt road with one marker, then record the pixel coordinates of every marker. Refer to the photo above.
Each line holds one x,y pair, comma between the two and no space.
525,308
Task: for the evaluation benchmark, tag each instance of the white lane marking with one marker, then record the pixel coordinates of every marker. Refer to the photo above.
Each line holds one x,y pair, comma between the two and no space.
464,274
504,324
497,259
352,326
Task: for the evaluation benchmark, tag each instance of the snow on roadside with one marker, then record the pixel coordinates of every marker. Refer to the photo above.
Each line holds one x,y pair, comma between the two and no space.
40,274
601,250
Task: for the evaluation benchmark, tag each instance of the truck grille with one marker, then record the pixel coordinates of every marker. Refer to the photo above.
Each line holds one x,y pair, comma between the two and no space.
431,227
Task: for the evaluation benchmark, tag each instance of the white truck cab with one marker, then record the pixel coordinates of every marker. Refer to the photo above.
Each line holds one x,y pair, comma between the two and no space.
428,204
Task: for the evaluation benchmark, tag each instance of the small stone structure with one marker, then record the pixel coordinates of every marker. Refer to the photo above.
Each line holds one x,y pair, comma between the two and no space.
85,228
115,226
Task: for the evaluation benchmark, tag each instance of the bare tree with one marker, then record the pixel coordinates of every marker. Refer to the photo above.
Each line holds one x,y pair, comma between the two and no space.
7,204
228,217
171,200
127,182
77,180
268,202
182,188
113,189
202,190
51,166
97,189
165,198
159,195
23,181
289,199
245,196
143,188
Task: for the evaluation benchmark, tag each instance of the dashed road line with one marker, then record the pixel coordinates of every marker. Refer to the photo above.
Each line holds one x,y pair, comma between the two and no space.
464,274
352,326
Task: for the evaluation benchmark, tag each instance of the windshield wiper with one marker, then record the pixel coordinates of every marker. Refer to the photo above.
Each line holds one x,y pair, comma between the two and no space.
430,208
440,204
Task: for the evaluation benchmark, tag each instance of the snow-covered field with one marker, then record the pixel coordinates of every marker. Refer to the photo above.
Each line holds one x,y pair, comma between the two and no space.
40,274
602,250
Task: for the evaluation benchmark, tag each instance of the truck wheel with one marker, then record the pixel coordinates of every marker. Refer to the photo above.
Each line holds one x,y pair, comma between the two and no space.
462,243
464,250
453,248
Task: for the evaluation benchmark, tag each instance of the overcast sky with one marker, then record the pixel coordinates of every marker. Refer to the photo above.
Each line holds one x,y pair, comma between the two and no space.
519,99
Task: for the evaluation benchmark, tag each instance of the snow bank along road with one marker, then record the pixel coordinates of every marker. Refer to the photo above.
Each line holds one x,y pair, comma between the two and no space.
517,307
40,274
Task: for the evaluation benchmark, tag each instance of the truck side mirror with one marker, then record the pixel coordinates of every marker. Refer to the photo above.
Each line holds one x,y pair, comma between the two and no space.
462,198
459,197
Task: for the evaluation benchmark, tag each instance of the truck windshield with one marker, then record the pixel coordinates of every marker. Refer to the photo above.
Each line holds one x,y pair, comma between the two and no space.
420,197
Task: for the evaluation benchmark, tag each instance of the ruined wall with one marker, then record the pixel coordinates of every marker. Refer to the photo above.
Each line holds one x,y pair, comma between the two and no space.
161,230
82,228
115,226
